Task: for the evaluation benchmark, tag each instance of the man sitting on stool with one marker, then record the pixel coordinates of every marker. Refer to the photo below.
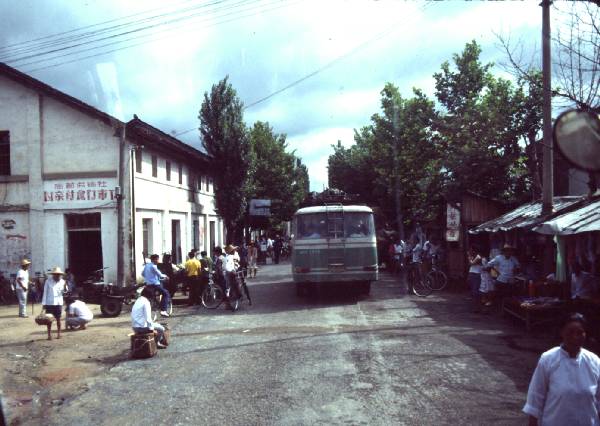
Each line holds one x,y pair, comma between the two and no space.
78,314
141,317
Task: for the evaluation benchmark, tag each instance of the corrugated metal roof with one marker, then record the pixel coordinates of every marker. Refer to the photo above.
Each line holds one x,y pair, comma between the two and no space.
525,217
584,219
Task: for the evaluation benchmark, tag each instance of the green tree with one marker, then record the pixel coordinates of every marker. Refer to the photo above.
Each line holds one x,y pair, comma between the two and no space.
224,139
275,173
479,129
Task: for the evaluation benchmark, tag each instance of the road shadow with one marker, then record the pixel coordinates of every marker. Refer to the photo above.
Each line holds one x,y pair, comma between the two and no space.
268,298
503,343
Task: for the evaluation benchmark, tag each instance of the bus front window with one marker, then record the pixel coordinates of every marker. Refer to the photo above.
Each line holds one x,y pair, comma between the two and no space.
358,225
311,226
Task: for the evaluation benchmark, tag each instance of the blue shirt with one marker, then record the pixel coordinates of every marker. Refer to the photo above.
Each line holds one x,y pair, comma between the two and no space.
151,274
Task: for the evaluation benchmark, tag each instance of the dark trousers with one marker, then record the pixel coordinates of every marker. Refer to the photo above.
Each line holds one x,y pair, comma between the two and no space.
195,289
277,254
474,284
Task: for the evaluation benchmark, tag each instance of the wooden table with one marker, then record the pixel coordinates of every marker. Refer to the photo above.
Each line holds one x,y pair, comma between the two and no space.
532,314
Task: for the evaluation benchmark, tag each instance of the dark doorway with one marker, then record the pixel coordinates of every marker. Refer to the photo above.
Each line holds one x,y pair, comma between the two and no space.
212,237
176,241
84,244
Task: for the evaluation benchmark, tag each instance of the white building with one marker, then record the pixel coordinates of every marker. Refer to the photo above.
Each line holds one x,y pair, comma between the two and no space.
61,186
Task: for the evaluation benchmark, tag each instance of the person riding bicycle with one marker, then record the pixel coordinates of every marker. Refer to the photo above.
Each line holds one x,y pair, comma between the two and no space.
230,267
153,277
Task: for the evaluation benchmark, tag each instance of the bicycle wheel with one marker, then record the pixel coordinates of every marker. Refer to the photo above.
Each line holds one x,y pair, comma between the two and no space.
420,288
212,297
437,280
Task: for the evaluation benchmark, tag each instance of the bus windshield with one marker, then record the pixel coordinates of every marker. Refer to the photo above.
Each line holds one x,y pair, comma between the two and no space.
347,225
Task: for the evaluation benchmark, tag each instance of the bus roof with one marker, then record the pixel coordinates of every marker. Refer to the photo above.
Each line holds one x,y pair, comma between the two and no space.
334,208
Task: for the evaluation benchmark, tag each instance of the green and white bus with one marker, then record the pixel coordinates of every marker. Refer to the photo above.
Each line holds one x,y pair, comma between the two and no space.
334,244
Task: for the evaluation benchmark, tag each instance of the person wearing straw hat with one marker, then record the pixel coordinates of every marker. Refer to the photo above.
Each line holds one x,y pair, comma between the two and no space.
22,286
52,300
507,266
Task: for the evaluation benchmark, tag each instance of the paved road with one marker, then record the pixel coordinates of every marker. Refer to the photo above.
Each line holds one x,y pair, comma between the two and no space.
342,359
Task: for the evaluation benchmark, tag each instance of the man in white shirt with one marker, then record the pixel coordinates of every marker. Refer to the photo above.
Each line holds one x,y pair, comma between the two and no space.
582,283
21,287
229,268
52,300
141,317
507,266
78,314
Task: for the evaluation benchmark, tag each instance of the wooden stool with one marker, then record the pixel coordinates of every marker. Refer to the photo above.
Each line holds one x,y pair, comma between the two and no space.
143,345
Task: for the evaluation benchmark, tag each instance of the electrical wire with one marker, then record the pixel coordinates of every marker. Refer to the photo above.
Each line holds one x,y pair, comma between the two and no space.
331,63
80,42
60,41
235,18
15,45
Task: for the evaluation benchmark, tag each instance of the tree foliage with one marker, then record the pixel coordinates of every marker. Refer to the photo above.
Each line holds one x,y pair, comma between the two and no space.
225,141
474,138
275,174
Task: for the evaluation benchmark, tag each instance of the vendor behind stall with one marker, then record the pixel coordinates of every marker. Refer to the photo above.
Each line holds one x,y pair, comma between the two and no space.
507,266
583,285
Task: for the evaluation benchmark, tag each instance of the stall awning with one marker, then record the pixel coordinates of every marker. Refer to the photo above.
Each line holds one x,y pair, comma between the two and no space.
526,216
583,219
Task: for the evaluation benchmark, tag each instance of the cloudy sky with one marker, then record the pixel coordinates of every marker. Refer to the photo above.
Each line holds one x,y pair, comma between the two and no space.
171,52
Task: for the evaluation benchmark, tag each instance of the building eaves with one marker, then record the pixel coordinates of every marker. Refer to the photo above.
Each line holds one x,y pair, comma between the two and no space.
585,218
142,133
527,216
40,87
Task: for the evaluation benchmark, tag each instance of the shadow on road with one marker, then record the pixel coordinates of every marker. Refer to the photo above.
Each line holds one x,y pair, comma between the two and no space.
503,344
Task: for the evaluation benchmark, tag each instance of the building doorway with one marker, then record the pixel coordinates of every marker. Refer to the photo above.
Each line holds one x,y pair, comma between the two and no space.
84,245
212,237
176,241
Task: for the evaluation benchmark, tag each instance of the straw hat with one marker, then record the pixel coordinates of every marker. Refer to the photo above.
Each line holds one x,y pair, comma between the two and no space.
230,248
57,271
25,262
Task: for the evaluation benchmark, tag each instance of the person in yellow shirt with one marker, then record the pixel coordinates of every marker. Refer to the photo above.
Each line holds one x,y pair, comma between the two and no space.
192,272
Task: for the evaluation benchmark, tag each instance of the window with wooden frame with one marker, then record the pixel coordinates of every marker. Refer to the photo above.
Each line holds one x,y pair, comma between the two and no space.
4,153
138,160
180,174
168,168
154,166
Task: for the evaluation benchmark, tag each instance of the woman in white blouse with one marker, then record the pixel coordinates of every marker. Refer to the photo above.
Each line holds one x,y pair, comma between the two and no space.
564,388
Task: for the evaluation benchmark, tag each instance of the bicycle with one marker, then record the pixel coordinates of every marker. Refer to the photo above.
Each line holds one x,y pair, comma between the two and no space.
420,287
436,278
213,295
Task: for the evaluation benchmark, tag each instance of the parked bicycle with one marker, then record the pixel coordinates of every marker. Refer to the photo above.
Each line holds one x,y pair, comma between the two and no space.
214,294
436,278
418,283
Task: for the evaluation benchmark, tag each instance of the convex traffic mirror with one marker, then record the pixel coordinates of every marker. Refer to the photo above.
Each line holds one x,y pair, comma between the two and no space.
577,137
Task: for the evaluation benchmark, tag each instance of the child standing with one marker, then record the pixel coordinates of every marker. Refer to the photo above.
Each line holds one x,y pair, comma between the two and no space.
487,284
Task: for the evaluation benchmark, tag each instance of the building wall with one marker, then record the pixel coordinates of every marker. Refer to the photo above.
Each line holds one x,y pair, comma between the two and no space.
162,201
51,143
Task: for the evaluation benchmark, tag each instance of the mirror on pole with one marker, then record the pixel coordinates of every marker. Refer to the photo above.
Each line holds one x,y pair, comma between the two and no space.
577,137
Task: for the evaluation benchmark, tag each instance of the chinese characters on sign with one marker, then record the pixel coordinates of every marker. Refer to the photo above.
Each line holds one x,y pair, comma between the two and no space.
452,223
74,193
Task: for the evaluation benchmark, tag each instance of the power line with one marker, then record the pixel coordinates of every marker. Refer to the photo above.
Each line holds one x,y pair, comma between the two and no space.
235,18
319,70
80,42
240,11
57,40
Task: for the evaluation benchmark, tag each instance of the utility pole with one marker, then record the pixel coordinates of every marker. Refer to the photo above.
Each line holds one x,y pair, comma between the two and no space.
548,160
123,151
398,201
